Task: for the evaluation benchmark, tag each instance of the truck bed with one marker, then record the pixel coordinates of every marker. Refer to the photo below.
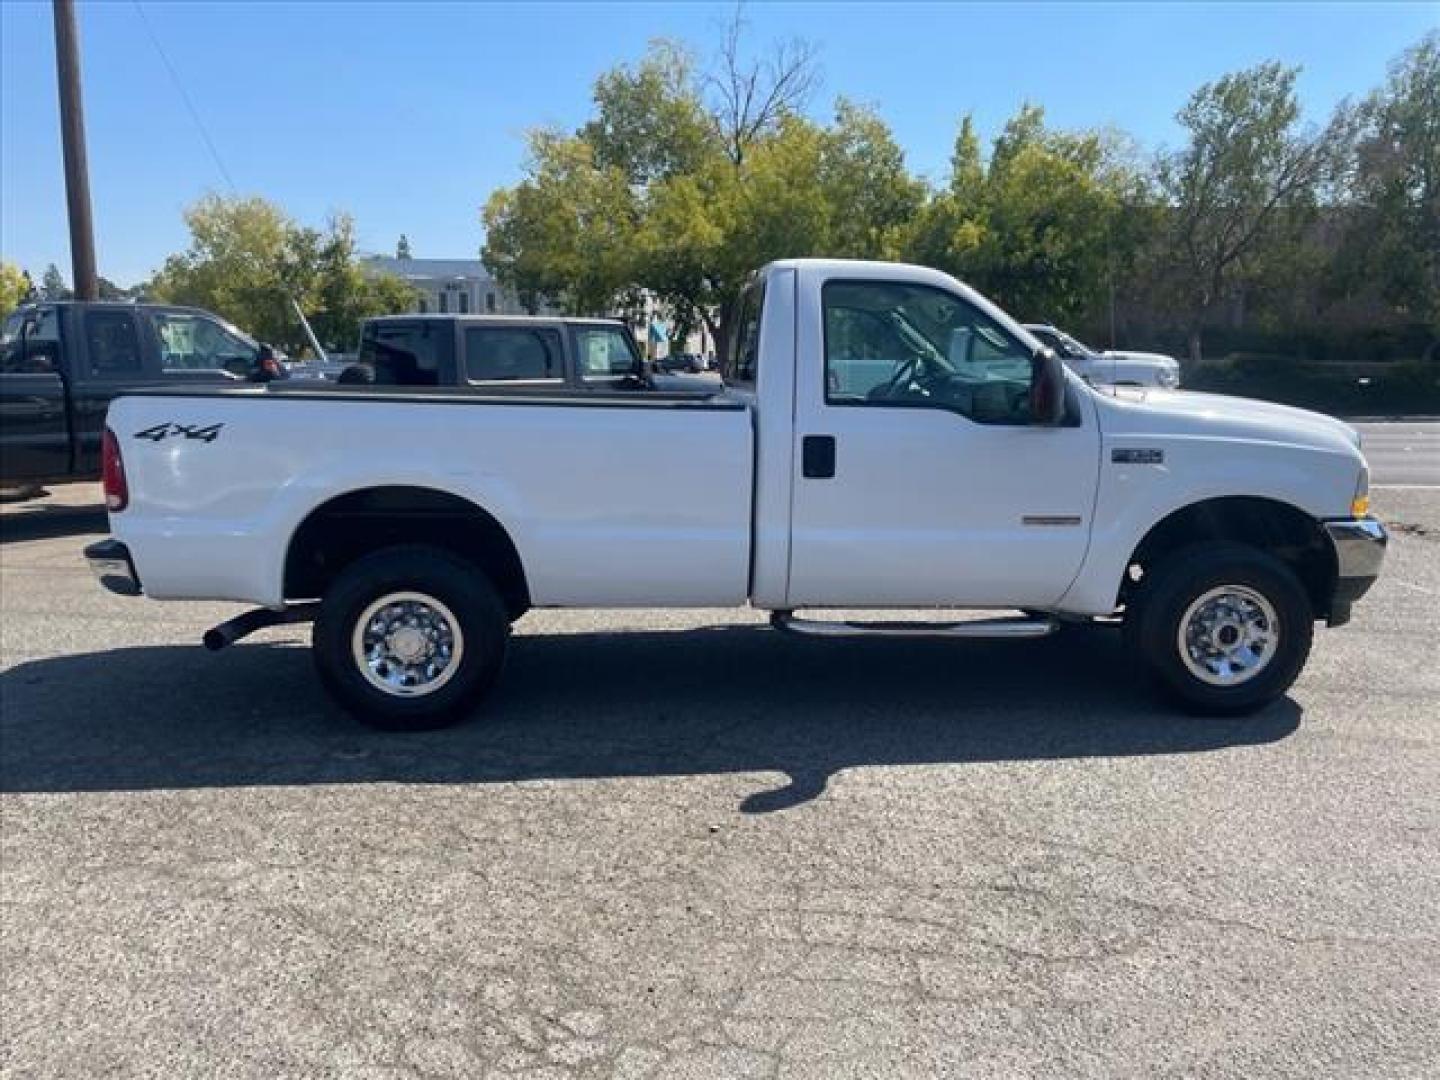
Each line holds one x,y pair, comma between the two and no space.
613,499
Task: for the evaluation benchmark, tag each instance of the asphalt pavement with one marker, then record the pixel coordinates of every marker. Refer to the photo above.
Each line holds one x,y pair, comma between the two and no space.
677,844
1402,452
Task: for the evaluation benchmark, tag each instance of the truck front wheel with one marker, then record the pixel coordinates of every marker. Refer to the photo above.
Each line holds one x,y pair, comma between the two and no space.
410,637
1223,628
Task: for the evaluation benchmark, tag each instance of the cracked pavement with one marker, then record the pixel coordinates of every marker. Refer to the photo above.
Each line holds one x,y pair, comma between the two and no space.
677,845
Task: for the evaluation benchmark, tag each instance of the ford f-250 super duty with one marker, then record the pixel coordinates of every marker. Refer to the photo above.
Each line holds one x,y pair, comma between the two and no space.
885,438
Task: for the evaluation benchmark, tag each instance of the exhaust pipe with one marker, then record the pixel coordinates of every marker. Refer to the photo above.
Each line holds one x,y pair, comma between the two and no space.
245,624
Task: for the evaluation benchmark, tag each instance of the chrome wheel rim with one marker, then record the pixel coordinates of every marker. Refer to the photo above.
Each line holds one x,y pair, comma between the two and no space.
407,644
1228,635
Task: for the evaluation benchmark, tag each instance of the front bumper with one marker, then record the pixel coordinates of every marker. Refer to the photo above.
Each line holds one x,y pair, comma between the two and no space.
1359,546
111,564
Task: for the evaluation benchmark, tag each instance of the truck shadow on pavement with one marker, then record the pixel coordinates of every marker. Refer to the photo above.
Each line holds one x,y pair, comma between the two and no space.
733,699
47,522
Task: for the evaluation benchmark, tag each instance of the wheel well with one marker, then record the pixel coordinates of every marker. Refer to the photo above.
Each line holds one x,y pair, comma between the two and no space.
1278,528
338,532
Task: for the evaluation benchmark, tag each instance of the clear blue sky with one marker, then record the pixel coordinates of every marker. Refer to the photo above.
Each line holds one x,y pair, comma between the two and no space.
408,115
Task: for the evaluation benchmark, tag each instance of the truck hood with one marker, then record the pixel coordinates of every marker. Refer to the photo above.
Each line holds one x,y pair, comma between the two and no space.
1185,412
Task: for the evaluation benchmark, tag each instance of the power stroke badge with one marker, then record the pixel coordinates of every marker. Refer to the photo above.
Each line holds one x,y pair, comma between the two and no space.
1137,455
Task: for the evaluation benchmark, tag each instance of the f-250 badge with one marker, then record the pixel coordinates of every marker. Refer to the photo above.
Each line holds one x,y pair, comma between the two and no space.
161,432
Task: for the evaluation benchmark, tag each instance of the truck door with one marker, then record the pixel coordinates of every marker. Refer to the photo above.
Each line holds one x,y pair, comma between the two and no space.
34,432
919,477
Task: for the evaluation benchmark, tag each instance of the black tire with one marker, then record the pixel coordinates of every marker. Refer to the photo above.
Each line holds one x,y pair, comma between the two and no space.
477,651
1159,604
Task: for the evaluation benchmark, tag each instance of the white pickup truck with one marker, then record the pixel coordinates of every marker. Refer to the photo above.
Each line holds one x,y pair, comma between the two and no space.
885,439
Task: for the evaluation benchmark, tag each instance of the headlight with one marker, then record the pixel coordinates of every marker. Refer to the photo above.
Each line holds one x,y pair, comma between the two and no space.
1360,505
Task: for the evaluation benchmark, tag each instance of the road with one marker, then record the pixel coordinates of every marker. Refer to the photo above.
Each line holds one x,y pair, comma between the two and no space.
680,845
1402,452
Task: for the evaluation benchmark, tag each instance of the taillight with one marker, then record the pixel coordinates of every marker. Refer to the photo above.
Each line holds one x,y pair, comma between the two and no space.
112,473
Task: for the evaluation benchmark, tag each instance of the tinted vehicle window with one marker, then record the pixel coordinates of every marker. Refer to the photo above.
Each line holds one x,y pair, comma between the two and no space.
112,344
10,330
742,355
31,343
407,354
509,354
605,352
196,343
891,344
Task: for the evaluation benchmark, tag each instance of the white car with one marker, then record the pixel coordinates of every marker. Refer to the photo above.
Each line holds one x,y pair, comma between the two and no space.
1110,368
886,438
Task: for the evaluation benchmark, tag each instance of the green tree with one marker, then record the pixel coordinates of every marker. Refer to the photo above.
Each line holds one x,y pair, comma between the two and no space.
1041,226
566,233
247,260
336,293
14,287
1248,178
52,285
650,121
1395,188
232,267
683,183
872,197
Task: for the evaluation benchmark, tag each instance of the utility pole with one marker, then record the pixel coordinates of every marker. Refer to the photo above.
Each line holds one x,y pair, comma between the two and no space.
72,136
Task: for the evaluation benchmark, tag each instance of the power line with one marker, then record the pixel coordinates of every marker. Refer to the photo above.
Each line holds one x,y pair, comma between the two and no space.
190,105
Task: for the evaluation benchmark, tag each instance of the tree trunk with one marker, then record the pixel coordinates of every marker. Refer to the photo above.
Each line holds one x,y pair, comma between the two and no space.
1194,340
719,334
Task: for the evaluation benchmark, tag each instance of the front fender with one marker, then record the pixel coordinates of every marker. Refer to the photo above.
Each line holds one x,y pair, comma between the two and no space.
1133,498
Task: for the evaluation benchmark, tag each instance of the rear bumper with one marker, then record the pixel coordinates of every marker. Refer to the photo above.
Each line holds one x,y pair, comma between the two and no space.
1359,546
112,566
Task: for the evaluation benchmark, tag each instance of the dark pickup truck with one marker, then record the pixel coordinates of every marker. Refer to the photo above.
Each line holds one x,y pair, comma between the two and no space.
62,362
500,353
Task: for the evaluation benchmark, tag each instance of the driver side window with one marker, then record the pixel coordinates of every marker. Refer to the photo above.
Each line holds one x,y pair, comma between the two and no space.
195,343
894,344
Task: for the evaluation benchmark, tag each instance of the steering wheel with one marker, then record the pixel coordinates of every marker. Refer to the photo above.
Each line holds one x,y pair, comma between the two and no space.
914,377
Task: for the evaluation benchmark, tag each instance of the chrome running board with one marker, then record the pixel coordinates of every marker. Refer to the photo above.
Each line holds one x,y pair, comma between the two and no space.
1019,627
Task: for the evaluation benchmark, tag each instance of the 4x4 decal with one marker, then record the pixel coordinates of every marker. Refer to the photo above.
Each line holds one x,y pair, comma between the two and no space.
160,432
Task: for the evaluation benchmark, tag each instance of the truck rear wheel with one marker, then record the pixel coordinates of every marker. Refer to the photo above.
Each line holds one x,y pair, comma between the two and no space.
410,637
1224,629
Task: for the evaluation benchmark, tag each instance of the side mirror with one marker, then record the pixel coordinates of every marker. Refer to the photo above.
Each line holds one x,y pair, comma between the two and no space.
1047,389
267,365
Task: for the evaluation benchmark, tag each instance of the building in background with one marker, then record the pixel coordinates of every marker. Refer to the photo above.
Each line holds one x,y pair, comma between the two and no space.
452,286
